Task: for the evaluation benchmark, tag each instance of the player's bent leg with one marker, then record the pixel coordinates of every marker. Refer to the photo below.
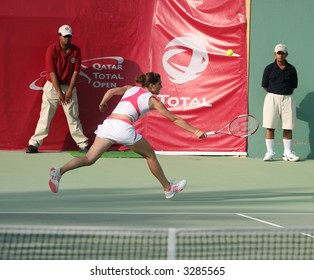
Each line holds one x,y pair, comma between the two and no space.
96,150
143,148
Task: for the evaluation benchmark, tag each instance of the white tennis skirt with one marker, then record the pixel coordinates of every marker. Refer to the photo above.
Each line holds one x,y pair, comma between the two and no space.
118,131
278,107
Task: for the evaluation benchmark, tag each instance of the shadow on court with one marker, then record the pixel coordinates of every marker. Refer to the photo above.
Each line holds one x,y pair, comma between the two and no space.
125,208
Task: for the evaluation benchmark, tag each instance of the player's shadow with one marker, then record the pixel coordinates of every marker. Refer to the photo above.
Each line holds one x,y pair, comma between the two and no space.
305,113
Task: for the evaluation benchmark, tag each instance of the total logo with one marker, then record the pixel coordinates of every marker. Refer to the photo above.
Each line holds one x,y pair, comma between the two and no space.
184,60
187,70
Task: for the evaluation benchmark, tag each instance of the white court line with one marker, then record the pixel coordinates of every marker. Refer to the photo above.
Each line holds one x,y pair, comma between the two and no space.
146,213
166,213
308,235
259,220
271,224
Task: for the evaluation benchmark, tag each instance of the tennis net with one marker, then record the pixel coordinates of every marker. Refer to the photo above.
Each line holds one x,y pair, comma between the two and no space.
82,243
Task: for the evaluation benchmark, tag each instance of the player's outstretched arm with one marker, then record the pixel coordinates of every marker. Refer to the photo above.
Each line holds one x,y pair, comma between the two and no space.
155,104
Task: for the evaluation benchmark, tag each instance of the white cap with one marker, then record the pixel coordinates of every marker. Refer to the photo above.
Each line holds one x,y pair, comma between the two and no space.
281,48
65,30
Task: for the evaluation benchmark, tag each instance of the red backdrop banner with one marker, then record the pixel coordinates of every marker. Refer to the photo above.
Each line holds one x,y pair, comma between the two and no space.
185,41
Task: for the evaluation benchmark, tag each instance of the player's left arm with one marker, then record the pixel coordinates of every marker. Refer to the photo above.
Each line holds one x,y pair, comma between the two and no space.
155,104
109,94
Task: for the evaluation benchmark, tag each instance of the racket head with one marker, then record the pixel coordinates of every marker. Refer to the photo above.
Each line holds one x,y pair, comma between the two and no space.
243,125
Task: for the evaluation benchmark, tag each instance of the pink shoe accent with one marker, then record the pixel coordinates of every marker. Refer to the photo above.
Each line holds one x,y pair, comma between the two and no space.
52,187
54,179
175,188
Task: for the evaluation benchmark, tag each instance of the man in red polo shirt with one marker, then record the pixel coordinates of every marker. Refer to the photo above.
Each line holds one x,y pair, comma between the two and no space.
63,63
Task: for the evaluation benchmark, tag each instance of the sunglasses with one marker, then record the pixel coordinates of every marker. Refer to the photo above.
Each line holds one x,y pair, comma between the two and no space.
67,36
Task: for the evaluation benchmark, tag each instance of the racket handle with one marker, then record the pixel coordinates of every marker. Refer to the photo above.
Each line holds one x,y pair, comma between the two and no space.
211,133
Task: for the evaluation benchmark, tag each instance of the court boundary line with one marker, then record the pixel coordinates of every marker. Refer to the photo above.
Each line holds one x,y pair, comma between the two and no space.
259,220
153,213
144,229
271,224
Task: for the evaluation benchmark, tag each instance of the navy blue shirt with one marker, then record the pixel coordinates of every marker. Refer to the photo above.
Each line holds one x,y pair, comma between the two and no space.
279,81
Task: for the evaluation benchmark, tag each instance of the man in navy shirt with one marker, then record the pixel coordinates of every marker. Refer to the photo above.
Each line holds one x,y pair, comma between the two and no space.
279,80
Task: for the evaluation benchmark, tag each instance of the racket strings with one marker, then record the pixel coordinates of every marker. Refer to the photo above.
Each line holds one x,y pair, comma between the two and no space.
243,126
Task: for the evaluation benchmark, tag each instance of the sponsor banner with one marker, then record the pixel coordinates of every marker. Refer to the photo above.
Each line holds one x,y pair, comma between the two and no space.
200,82
184,41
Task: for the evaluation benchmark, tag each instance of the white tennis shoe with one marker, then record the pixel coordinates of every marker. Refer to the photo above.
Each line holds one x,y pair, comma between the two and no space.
269,156
175,188
290,157
54,181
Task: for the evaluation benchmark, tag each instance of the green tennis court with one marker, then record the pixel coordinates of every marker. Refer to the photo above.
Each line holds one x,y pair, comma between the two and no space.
223,193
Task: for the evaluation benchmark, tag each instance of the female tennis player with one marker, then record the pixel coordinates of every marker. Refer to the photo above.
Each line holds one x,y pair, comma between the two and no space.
119,128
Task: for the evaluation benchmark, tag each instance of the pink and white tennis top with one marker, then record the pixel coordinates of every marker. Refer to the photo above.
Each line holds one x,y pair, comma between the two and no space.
134,103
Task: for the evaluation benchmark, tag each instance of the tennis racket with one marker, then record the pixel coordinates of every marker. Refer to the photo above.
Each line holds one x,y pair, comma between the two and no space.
241,126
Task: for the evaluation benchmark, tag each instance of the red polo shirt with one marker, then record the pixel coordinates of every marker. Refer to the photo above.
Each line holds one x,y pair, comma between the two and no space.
62,63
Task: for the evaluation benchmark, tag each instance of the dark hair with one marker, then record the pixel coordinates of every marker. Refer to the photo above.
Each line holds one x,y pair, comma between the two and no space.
148,78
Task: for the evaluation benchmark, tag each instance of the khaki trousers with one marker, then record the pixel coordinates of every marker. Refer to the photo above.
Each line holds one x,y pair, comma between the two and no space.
49,106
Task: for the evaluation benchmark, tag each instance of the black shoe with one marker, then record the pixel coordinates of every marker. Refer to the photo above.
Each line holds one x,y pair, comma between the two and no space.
85,149
31,149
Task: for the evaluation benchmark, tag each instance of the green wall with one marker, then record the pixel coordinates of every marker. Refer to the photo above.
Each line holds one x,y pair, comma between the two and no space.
290,22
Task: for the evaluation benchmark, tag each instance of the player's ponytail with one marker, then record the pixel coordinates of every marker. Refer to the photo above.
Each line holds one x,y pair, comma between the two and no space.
149,78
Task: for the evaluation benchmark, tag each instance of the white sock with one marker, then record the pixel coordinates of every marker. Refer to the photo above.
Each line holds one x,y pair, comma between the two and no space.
270,145
287,146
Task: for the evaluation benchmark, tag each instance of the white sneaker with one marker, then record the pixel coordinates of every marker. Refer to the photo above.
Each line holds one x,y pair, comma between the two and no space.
269,156
290,157
175,188
54,181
